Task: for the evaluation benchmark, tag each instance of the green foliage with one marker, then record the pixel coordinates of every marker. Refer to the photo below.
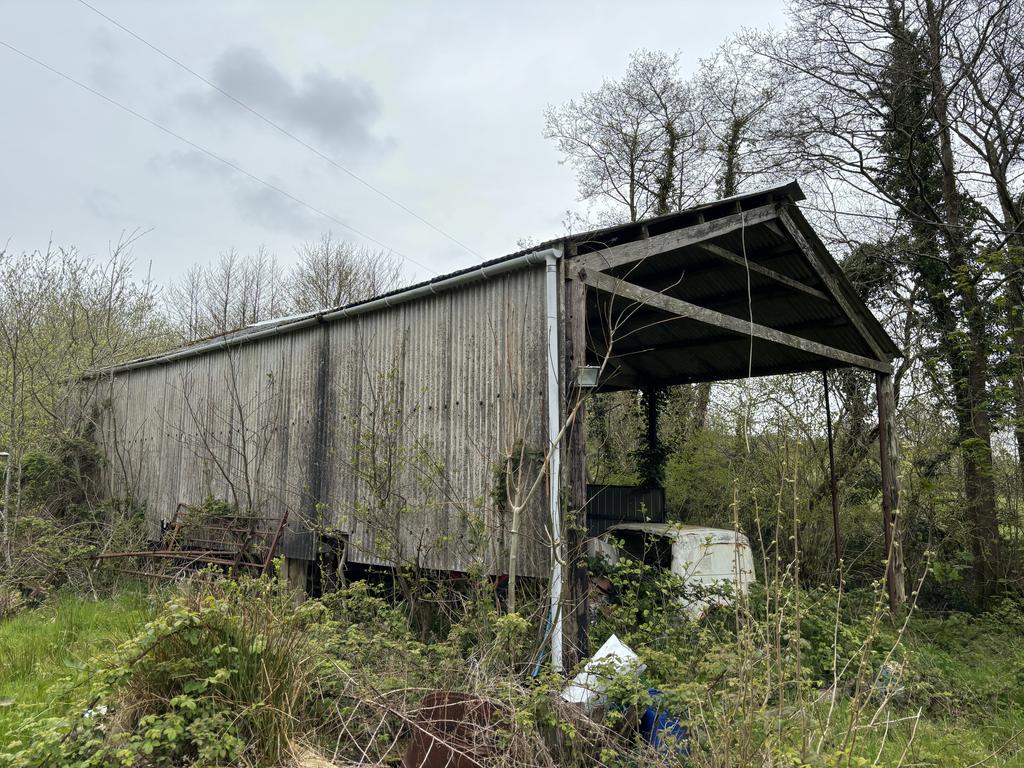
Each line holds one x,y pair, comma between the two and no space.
649,454
964,666
60,474
213,679
699,478
40,646
236,673
63,518
11,601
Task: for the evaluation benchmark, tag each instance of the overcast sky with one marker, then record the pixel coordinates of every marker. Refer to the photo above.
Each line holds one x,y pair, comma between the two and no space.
440,105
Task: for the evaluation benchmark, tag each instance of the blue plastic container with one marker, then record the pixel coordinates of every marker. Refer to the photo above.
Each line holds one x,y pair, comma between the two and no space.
662,730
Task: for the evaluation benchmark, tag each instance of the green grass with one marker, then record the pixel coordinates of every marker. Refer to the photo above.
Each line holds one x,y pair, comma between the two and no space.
964,674
901,738
39,647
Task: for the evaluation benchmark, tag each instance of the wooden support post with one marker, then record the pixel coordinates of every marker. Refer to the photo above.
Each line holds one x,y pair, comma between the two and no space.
652,471
293,574
578,614
837,538
888,451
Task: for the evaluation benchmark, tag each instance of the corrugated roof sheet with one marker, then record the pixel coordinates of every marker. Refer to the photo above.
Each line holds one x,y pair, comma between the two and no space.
657,348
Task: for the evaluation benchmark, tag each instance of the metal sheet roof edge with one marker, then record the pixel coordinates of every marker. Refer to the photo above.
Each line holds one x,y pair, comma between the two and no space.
438,285
790,191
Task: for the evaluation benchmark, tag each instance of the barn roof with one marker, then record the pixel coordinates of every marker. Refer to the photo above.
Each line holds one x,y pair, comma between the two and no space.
752,291
751,257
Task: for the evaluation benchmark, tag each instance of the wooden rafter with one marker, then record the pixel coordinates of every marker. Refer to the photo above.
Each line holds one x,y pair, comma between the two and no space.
829,280
733,258
618,287
628,253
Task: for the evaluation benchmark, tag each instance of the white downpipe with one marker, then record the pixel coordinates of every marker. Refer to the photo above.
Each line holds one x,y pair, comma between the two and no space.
554,464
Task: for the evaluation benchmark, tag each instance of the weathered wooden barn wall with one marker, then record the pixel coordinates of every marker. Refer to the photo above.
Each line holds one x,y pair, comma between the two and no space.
387,427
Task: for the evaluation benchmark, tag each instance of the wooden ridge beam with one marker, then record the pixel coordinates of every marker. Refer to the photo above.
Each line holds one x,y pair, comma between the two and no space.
616,286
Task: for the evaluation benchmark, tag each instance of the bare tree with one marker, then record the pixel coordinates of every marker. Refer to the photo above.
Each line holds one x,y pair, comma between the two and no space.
236,291
984,54
892,92
233,292
630,140
738,98
332,273
61,314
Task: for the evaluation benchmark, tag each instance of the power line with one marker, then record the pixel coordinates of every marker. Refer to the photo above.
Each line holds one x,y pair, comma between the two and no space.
281,129
215,156
919,219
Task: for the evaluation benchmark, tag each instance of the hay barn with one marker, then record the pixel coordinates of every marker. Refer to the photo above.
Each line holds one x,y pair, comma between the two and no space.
385,427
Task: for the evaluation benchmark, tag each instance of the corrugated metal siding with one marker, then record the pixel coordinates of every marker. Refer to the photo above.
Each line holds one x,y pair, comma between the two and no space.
608,505
435,390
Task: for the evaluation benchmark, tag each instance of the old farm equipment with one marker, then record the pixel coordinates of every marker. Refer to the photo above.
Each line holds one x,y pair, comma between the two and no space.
216,535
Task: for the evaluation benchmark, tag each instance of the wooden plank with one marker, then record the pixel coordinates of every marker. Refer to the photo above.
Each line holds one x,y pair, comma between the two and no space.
627,253
645,296
830,282
771,274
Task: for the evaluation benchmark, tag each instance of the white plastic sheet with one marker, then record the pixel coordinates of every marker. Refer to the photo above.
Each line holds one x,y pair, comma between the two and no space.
613,658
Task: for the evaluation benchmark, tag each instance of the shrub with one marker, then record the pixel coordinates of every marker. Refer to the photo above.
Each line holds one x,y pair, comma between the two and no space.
61,474
218,677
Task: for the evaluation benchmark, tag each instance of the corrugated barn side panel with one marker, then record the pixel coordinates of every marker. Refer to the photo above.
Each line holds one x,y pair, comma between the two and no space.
388,429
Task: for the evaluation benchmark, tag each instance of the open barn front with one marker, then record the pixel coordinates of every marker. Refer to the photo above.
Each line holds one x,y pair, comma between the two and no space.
735,289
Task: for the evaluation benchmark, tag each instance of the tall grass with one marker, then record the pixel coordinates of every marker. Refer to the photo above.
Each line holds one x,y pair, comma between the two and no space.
40,647
244,676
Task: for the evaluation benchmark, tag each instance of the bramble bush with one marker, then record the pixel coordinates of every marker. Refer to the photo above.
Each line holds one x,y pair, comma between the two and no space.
241,673
214,679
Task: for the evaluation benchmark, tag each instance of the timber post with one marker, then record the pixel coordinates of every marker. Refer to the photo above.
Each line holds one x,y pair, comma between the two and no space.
293,576
578,613
888,452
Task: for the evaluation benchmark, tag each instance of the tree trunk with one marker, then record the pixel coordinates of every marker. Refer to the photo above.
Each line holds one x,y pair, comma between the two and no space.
1015,292
892,520
701,401
979,485
968,357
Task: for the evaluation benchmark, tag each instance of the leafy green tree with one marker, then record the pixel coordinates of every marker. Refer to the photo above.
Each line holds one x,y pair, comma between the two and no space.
940,248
